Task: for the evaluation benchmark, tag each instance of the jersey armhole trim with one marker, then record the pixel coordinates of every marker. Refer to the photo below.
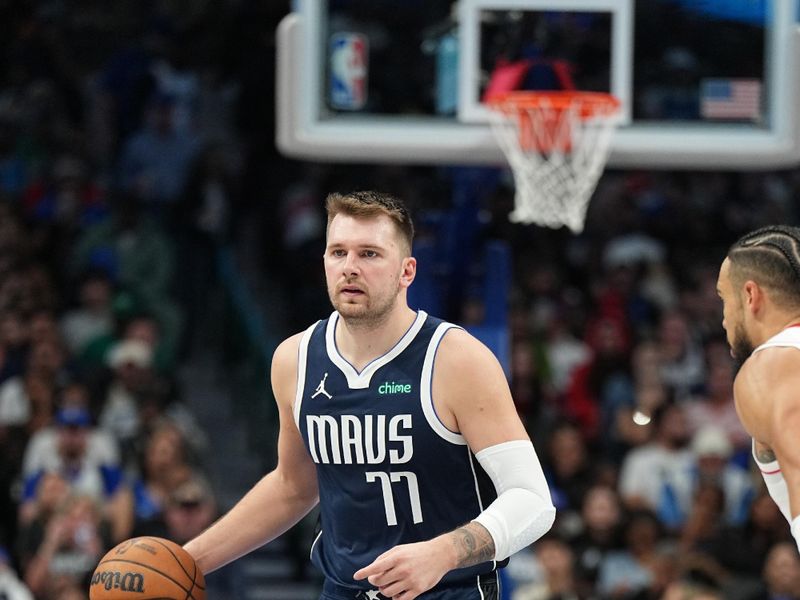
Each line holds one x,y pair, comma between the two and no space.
314,545
302,356
426,388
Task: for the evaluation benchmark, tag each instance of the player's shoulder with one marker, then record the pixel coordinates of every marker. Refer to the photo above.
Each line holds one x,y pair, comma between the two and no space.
285,367
768,369
772,361
285,357
463,359
288,348
460,345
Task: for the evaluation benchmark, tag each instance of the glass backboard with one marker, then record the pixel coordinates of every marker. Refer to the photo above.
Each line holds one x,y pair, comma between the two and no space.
703,84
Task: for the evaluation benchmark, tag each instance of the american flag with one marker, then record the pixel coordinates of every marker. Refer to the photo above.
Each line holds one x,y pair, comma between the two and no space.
730,99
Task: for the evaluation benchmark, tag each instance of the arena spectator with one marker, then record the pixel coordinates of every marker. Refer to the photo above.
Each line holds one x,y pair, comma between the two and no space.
63,552
714,466
658,475
557,562
715,407
87,474
93,317
683,367
600,533
632,569
164,467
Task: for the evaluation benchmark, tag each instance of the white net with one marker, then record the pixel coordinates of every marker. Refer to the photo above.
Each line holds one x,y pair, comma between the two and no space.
557,152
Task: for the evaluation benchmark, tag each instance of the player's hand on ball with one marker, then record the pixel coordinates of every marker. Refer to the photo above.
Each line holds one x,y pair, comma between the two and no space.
406,571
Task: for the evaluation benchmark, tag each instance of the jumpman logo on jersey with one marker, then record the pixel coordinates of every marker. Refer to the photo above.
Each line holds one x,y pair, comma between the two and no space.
321,388
373,595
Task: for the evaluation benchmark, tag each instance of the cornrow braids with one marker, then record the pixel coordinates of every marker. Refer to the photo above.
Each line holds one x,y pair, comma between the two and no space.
770,256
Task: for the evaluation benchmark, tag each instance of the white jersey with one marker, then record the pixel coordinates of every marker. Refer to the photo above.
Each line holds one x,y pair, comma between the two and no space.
771,471
786,338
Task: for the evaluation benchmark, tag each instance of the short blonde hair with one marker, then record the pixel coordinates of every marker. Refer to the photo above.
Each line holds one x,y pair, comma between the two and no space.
369,204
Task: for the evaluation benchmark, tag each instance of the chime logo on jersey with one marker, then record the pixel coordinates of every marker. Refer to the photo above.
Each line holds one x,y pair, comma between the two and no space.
361,440
394,387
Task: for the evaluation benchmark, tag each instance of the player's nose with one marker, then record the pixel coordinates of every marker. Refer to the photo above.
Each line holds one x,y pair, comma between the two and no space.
350,265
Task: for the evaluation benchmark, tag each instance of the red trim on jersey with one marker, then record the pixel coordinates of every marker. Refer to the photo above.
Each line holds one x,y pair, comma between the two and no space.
770,472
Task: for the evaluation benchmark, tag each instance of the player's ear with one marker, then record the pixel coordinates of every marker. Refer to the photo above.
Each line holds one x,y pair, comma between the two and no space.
753,295
409,271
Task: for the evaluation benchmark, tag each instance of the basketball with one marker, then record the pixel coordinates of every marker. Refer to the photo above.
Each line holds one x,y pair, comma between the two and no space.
147,567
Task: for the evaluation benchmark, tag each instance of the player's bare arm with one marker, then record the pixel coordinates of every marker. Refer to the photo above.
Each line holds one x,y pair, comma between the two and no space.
762,452
471,396
782,376
767,399
473,545
290,491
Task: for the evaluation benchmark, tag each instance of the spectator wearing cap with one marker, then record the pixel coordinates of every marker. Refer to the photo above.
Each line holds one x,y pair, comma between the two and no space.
87,474
190,508
11,588
713,451
131,364
127,408
42,449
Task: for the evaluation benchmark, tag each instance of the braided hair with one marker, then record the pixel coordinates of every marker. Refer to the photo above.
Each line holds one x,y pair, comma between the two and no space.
770,256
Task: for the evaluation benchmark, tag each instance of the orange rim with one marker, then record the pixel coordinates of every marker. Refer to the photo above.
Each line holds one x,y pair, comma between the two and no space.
590,103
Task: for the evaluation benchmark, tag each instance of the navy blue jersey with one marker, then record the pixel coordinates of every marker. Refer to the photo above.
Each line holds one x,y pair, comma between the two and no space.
389,471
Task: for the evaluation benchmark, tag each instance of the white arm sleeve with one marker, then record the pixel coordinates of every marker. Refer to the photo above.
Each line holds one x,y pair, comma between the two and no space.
523,511
776,485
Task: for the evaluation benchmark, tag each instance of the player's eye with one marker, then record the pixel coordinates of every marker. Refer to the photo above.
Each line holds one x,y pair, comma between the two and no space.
338,253
369,253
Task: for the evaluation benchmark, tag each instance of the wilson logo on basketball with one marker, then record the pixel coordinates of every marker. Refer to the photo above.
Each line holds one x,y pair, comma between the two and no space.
125,582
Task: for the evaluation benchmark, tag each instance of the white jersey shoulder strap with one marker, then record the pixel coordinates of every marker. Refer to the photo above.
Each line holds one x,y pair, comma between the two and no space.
789,337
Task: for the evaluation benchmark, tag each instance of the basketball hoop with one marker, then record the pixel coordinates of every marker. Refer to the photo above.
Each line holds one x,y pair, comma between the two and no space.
557,144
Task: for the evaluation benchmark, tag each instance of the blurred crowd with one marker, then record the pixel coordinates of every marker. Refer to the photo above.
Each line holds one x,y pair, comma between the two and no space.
121,160
136,140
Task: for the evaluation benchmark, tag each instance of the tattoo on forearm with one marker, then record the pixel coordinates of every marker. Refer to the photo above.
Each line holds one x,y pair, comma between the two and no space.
473,544
765,455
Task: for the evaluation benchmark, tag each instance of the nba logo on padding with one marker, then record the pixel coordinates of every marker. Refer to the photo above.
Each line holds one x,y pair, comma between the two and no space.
348,64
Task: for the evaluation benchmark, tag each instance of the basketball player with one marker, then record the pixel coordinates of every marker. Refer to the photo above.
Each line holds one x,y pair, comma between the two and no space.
759,283
400,425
